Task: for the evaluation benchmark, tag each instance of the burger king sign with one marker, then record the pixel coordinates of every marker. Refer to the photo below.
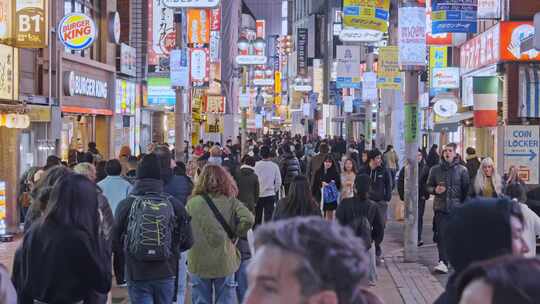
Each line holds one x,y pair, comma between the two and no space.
77,31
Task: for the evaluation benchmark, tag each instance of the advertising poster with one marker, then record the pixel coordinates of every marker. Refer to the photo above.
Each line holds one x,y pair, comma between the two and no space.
521,148
389,76
198,26
514,36
366,14
200,67
179,65
160,92
412,36
348,68
453,16
9,70
30,20
161,32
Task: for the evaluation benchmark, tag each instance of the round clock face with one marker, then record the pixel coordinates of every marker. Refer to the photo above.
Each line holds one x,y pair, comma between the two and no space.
445,107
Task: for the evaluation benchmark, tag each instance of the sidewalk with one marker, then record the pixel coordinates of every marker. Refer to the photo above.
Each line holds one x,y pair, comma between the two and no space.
409,283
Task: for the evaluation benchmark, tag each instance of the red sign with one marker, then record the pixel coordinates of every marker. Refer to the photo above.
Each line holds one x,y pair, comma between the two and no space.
261,28
480,51
215,23
513,36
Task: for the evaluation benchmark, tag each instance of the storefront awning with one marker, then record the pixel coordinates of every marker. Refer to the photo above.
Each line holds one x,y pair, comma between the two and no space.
451,124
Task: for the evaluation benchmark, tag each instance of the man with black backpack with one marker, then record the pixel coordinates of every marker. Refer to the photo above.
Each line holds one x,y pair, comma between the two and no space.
156,229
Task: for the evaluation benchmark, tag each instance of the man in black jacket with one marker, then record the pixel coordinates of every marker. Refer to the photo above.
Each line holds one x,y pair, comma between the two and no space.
381,190
423,172
449,182
155,280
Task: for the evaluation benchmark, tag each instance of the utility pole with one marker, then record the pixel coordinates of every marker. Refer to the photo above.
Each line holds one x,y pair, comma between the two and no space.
179,107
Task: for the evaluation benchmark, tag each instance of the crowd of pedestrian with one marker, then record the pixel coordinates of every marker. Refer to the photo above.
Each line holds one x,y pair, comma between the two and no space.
227,223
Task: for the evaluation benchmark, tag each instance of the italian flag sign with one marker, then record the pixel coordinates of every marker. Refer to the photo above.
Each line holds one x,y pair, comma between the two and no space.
485,90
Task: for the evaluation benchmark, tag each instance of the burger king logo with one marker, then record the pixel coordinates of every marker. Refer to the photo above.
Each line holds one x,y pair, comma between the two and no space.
77,31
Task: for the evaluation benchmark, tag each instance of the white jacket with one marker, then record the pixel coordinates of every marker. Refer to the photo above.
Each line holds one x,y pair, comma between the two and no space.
531,229
269,177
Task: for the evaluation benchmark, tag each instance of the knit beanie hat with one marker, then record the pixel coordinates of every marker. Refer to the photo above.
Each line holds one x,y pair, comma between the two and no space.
149,167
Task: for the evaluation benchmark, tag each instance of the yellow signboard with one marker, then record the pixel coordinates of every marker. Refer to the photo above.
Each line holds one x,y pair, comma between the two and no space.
277,88
388,74
366,14
214,124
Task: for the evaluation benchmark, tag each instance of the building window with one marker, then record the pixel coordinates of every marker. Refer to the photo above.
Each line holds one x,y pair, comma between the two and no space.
91,8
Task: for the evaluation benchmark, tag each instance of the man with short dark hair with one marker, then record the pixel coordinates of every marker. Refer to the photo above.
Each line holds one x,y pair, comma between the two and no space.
307,261
449,182
269,184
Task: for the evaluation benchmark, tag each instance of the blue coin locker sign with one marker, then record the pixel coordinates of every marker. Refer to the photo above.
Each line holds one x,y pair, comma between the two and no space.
521,149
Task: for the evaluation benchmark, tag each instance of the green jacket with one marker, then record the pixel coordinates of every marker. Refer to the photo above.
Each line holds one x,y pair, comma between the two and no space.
213,254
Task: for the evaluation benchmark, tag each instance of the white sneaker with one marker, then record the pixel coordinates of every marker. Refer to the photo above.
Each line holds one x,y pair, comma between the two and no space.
441,268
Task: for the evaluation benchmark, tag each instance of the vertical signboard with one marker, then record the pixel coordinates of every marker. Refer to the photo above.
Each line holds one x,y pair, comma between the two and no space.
366,14
369,86
128,58
198,26
6,23
521,148
161,32
3,200
389,76
200,67
179,68
348,67
260,27
453,16
438,58
30,24
412,36
9,70
302,51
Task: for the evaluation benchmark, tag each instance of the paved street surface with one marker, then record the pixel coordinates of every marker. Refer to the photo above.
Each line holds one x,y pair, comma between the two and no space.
399,282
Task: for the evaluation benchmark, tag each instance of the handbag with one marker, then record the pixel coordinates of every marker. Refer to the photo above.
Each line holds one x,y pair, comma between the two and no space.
330,193
220,218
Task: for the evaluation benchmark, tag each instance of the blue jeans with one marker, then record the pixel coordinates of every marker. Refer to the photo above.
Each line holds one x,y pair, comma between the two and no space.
182,278
153,291
203,289
241,280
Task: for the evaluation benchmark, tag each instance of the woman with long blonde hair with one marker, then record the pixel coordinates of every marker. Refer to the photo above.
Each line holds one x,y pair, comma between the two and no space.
218,220
487,182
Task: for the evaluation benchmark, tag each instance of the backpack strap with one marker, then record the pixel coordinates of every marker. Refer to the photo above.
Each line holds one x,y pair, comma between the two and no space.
219,217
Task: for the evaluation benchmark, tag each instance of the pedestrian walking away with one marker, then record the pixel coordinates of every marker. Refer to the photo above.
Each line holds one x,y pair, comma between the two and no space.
269,177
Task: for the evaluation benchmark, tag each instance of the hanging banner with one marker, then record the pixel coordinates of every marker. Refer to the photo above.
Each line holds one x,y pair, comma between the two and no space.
215,46
453,16
435,39
411,123
9,69
485,90
348,67
302,51
190,3
214,104
198,26
30,24
161,33
200,67
521,149
389,76
277,88
412,36
369,86
366,14
179,67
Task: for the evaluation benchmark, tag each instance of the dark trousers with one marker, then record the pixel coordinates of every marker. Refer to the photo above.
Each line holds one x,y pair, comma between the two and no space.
382,209
421,209
440,225
264,207
286,188
119,265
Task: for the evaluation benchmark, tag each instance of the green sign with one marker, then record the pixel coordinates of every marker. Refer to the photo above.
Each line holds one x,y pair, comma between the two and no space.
411,123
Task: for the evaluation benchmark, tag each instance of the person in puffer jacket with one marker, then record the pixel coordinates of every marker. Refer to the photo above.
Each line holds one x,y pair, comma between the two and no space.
290,167
449,182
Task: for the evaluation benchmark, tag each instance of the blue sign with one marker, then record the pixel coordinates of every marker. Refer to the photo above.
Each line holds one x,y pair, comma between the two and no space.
347,82
160,92
454,16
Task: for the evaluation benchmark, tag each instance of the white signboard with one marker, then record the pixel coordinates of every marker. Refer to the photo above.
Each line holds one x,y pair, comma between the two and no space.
360,35
258,121
198,65
467,96
521,148
179,68
264,82
190,3
348,104
489,9
128,58
244,100
369,86
303,88
348,67
250,60
445,78
412,36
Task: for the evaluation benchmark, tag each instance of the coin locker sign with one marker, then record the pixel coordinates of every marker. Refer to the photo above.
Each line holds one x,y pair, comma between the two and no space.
521,148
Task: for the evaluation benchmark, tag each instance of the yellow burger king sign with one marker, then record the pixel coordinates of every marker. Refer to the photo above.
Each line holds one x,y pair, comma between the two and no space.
77,31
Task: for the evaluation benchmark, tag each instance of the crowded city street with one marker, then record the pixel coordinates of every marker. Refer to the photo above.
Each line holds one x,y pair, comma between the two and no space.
269,151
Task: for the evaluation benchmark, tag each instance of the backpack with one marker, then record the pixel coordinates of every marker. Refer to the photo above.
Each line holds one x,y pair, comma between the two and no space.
151,228
362,228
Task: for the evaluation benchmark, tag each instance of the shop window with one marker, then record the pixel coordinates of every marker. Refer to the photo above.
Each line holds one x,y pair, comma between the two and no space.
91,8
